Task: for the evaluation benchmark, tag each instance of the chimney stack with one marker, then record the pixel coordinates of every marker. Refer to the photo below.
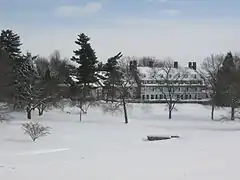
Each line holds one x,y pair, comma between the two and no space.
194,65
175,65
190,65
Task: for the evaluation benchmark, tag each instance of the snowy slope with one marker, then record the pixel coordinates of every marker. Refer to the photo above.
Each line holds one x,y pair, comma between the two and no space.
103,147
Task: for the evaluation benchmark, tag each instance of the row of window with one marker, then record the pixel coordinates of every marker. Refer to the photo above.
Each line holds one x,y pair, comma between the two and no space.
178,75
172,81
161,96
160,89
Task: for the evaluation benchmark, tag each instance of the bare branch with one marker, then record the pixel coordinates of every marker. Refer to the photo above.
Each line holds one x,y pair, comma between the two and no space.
210,68
125,86
112,107
168,80
35,130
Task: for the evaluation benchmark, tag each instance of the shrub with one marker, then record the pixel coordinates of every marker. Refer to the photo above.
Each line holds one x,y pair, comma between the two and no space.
35,130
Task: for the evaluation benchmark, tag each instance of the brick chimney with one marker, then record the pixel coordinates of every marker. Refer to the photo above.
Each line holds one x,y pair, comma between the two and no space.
194,65
175,64
190,65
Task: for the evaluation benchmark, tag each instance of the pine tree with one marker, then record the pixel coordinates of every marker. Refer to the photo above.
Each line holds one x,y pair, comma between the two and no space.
113,75
5,76
11,43
25,75
85,56
23,71
87,74
228,89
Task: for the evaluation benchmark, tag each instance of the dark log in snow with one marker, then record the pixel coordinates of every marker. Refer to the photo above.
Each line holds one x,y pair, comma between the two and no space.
159,138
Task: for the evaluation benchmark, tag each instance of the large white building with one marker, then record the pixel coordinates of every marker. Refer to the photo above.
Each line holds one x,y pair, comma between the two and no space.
182,83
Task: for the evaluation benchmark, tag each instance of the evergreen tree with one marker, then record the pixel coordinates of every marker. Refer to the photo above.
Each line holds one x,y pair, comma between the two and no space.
86,58
19,75
113,76
24,77
5,76
23,72
228,89
11,43
87,74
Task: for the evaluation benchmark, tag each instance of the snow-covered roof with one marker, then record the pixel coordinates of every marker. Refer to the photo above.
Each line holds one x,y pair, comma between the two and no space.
148,73
100,75
74,78
73,63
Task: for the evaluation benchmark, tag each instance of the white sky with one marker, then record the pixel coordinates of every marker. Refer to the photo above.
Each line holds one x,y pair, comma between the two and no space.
182,40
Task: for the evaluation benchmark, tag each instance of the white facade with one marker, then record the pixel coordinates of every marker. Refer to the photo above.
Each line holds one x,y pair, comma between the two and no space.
188,87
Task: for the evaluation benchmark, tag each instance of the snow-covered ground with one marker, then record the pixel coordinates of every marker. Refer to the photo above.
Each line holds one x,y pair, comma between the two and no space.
102,147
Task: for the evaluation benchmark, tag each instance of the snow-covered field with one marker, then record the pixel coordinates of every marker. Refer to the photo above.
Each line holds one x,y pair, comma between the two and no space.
102,147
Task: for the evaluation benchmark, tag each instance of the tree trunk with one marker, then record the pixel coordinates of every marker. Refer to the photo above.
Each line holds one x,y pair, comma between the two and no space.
112,94
29,113
80,115
80,107
40,108
232,113
125,111
212,112
170,112
40,111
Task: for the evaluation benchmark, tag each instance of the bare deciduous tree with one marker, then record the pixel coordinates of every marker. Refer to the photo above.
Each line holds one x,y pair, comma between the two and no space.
84,104
169,81
149,61
4,112
208,72
35,130
41,104
124,89
43,94
42,65
83,97
112,107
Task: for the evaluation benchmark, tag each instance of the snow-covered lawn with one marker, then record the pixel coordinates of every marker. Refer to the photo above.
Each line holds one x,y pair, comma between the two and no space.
102,147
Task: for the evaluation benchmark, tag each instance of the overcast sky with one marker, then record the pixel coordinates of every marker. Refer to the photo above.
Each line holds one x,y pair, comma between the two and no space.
181,29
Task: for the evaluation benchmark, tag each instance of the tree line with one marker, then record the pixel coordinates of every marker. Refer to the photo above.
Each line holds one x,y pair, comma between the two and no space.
30,82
